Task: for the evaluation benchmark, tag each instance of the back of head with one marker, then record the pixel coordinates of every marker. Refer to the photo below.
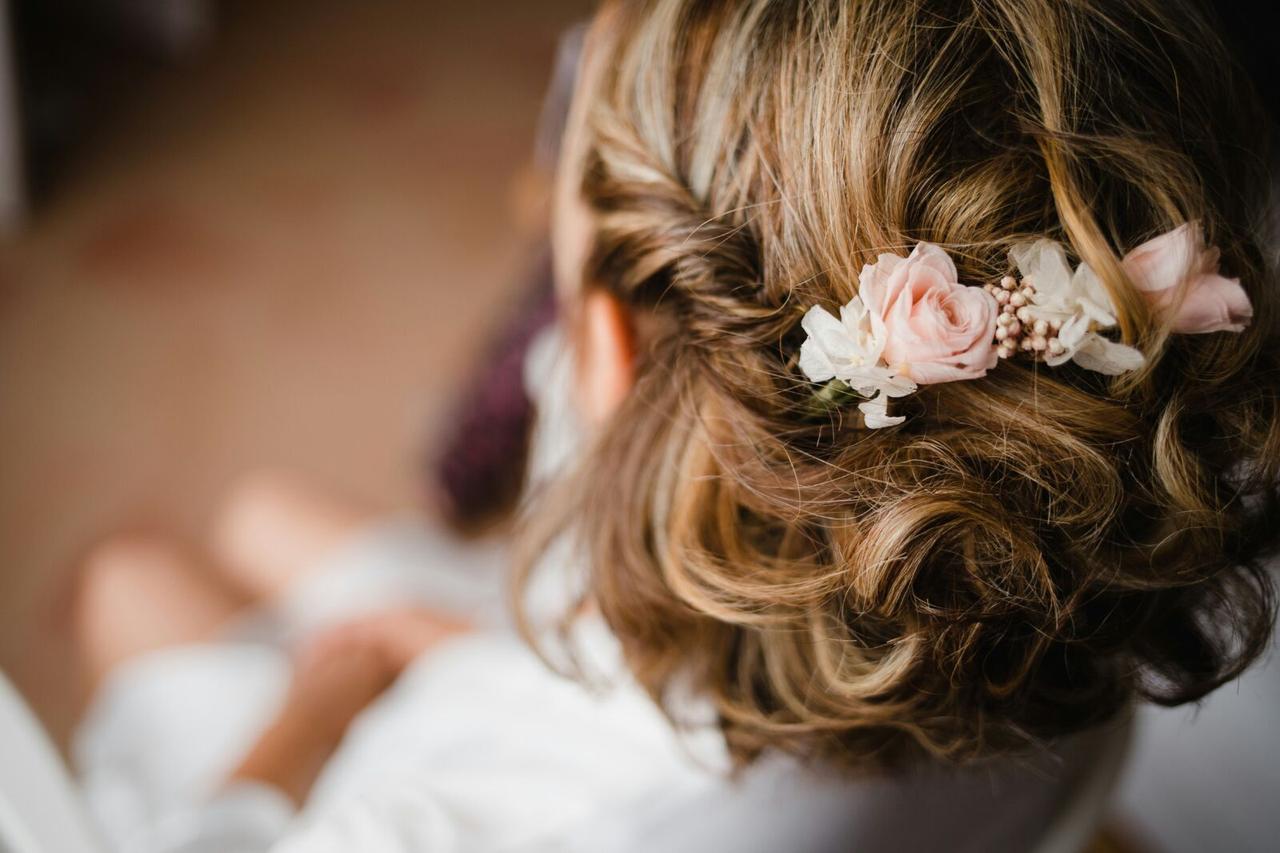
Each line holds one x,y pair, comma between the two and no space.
1030,550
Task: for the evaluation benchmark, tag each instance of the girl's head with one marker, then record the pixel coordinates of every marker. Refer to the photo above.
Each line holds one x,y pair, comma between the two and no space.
1029,550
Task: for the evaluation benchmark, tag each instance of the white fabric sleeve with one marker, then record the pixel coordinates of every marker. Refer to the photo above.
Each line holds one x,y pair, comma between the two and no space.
244,818
163,735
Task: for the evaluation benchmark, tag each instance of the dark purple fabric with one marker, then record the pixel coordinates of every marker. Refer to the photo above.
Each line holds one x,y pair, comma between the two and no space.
481,469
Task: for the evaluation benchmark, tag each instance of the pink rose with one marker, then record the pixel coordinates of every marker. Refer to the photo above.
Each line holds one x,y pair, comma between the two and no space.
1212,303
936,329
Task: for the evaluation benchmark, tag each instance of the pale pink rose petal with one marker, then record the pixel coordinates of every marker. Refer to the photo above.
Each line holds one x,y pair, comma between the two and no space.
929,332
1212,303
917,335
1162,262
935,373
982,354
935,329
936,258
872,282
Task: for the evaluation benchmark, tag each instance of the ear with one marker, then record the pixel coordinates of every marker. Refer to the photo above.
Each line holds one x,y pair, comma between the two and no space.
606,355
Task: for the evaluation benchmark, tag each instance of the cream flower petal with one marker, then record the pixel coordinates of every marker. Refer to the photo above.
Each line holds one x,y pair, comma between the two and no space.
1091,297
1080,303
824,333
866,381
1044,263
1098,354
875,413
1071,336
896,385
865,326
834,347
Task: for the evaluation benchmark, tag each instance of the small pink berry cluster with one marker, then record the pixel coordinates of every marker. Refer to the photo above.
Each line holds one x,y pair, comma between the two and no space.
1016,330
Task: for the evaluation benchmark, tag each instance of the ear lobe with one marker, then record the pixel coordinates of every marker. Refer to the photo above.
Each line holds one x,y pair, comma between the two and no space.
606,357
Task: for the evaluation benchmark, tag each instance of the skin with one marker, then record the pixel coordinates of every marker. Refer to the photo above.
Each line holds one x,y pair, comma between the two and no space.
336,676
146,591
603,329
269,540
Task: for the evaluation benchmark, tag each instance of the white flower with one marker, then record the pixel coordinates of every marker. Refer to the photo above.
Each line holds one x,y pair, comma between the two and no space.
1079,302
846,348
849,349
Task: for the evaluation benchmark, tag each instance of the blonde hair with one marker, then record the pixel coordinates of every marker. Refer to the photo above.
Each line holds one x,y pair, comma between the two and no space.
1029,551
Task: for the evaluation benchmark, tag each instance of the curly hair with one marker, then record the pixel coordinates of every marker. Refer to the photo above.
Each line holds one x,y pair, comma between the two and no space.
1031,551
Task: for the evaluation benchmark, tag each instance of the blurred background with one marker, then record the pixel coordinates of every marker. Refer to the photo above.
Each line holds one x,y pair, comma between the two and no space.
243,234
238,234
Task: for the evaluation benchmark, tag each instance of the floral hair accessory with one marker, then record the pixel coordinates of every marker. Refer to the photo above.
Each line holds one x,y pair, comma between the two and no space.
913,323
